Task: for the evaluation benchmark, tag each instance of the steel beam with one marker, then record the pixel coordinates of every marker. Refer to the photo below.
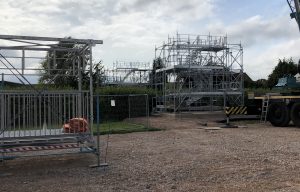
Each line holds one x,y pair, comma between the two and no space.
38,48
34,38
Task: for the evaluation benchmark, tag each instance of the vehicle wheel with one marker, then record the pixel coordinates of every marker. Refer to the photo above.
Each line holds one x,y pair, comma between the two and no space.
278,114
295,114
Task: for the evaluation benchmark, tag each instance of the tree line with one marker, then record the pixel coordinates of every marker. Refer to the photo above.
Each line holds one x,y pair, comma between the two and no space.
283,68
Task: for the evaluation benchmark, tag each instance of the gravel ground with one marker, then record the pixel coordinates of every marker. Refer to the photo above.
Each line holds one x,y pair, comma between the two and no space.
183,157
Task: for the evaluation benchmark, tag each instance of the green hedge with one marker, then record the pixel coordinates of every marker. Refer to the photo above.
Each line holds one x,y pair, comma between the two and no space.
110,90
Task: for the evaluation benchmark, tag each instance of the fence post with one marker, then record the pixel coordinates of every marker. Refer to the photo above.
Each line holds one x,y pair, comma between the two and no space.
129,107
2,81
98,131
147,110
91,87
2,104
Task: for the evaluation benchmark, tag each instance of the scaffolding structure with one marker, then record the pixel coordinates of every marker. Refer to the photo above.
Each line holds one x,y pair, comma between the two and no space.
198,73
31,117
128,73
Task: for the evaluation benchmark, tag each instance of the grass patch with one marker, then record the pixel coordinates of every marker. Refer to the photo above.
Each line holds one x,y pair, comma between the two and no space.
106,128
121,128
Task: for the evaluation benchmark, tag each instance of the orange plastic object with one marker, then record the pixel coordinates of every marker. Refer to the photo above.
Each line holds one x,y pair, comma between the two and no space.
76,125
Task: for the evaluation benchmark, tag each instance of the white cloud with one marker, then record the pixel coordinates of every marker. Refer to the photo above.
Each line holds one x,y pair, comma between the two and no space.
260,65
265,41
131,28
129,24
256,30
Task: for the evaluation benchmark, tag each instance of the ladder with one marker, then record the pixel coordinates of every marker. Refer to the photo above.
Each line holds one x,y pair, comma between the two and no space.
264,108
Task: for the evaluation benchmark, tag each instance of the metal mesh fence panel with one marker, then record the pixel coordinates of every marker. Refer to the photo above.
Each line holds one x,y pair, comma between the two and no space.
122,113
26,114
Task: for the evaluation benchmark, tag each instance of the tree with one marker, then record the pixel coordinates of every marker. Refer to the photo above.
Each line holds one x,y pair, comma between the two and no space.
98,76
283,68
248,82
157,64
261,83
62,64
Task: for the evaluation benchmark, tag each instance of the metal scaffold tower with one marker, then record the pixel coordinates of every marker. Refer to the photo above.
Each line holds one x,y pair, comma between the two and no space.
128,73
36,117
195,72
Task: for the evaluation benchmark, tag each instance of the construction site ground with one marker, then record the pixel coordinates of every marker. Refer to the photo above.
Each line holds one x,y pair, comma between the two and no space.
183,157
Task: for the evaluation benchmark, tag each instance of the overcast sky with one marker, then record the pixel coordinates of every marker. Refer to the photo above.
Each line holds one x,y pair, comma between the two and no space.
131,28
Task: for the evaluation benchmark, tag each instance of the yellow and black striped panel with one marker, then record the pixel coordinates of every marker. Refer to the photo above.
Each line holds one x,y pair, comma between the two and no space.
242,110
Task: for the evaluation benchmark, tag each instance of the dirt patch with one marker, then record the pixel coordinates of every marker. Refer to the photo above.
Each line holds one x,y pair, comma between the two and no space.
184,157
172,121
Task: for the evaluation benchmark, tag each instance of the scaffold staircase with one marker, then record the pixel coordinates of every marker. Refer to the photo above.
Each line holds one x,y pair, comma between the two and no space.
192,100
